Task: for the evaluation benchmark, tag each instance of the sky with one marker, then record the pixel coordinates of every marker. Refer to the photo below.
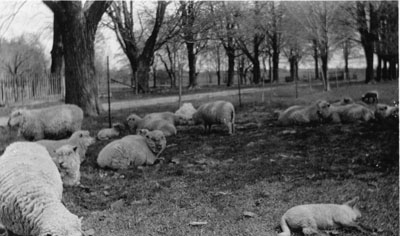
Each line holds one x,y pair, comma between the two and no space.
34,17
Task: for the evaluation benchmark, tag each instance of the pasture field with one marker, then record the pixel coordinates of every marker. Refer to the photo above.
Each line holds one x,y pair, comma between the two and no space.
242,184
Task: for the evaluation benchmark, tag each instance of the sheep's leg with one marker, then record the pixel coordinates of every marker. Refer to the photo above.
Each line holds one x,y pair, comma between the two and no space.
231,127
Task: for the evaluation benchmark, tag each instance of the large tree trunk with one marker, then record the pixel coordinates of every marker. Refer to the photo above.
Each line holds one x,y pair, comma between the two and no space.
57,50
369,57
346,59
256,71
230,52
218,66
379,69
275,63
192,65
315,46
324,60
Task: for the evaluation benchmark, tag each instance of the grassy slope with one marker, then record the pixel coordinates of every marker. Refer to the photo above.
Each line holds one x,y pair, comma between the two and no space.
259,169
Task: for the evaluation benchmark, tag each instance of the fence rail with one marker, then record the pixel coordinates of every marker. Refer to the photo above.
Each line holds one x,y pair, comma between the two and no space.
25,88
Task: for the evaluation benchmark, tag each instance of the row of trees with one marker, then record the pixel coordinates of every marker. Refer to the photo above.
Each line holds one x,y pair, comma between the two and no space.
250,30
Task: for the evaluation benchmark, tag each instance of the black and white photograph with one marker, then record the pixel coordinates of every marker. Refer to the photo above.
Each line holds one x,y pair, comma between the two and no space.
199,118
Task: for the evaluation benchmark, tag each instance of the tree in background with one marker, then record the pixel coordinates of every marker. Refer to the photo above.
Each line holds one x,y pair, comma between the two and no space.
78,25
138,42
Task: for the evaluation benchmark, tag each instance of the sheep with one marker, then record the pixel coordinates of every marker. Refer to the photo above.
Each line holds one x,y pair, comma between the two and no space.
218,112
154,122
109,133
186,111
343,101
370,95
55,122
133,150
350,113
68,163
31,192
304,114
384,111
80,138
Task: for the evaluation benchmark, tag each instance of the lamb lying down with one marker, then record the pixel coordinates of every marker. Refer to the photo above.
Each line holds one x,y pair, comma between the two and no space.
154,121
80,138
304,114
350,113
315,217
31,192
133,150
112,132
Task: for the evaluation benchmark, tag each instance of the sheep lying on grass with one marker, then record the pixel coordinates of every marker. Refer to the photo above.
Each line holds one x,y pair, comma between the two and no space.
51,123
304,114
31,192
350,113
133,150
186,111
80,138
68,163
109,133
315,217
384,111
218,112
155,121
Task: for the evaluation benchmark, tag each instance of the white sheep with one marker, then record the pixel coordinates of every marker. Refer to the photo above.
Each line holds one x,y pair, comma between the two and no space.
133,150
68,163
51,123
186,111
108,133
31,192
80,138
218,112
304,114
350,113
162,122
383,111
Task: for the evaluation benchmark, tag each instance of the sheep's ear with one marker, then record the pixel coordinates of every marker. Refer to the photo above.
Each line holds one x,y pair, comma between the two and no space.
74,148
352,202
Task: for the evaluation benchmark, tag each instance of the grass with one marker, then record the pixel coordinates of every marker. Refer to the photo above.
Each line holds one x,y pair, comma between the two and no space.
261,169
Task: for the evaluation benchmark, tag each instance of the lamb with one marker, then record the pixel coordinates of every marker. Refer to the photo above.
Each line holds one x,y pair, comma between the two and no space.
314,217
80,138
218,112
55,122
109,133
133,150
154,122
304,114
31,192
370,97
186,111
350,113
68,163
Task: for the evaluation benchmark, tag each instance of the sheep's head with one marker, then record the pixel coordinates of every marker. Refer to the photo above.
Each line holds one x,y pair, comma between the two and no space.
195,119
60,222
16,117
155,139
181,120
82,137
323,109
384,111
68,162
133,122
118,126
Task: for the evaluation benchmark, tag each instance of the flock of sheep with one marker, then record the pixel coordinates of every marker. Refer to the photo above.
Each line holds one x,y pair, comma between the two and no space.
33,173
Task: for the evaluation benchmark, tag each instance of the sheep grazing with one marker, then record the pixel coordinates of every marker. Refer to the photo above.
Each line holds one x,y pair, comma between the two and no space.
68,163
350,113
55,122
152,122
80,138
133,150
218,112
30,193
370,97
186,111
304,114
112,132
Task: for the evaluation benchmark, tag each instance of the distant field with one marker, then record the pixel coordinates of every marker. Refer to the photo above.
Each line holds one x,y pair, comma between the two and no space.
260,169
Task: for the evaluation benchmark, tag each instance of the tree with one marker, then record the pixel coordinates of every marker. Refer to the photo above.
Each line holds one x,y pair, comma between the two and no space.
140,51
78,24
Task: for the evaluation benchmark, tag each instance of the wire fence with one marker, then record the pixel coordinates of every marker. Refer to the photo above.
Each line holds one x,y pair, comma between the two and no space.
25,88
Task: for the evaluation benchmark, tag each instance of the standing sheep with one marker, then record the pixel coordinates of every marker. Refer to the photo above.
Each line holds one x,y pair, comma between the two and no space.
304,114
55,122
132,150
31,192
218,112
68,163
136,123
112,132
80,138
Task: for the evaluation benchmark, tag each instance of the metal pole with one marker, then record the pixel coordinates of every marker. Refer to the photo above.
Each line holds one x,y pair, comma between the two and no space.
136,83
240,97
108,93
180,85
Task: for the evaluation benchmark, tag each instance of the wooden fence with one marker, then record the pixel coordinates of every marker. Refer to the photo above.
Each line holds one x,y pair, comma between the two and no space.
25,88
